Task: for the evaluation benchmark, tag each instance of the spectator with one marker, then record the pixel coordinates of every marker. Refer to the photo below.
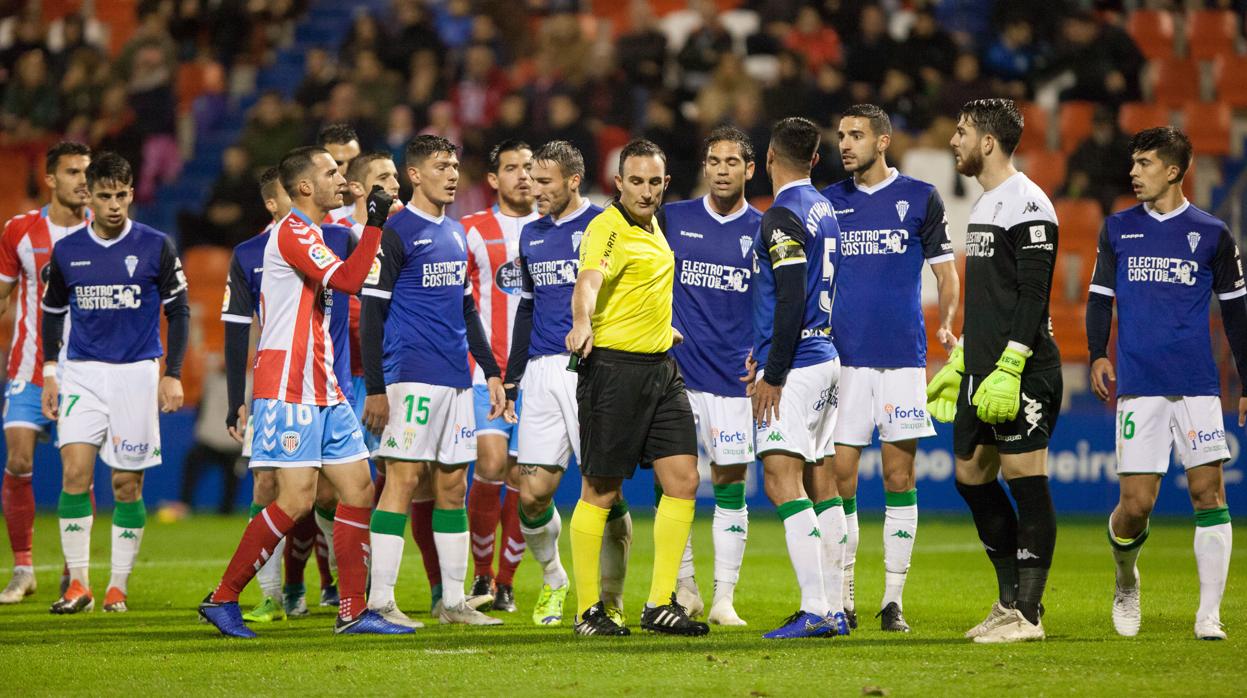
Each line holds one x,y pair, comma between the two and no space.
424,85
376,87
929,52
115,128
72,41
1013,56
415,32
479,91
964,87
749,116
666,127
155,110
907,107
1100,167
566,125
454,23
716,98
815,41
642,52
1102,60
319,77
152,32
365,35
512,115
704,46
234,211
82,86
566,49
271,131
400,128
442,123
27,36
790,95
31,102
869,54
829,96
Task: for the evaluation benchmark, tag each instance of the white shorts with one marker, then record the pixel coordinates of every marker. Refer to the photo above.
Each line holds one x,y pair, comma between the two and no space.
1147,426
114,407
549,432
724,427
807,413
892,399
430,423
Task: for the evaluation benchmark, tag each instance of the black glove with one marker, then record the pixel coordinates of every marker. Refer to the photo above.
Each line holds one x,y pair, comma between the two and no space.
379,204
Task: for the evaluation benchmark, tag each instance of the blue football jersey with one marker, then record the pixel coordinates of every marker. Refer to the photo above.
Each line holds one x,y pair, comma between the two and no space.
800,226
712,301
242,295
423,272
549,262
886,232
114,291
1163,270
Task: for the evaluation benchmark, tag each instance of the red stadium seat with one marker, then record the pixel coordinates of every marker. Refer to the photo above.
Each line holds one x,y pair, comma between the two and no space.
1075,124
1047,169
1208,126
1175,81
610,139
1211,33
1152,31
1079,221
1136,116
1035,131
121,16
1124,202
1229,74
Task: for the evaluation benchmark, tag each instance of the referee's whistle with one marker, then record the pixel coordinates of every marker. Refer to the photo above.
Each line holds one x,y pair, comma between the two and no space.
573,363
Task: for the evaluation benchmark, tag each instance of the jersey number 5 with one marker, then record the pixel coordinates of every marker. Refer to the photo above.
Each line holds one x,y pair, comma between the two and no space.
827,295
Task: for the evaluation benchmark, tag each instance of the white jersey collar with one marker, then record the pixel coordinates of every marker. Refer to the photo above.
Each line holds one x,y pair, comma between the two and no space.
705,200
892,175
584,206
793,183
1186,203
432,219
125,230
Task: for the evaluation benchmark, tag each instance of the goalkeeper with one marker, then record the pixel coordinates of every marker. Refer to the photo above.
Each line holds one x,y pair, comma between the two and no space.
1002,385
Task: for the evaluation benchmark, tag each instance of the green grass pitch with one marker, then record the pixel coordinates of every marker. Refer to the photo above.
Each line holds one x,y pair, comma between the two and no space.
159,647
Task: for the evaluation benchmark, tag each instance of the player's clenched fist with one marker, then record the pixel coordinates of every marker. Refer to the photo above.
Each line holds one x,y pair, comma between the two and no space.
170,394
944,386
379,203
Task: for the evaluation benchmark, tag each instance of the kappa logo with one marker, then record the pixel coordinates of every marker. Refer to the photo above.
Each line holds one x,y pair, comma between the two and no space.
320,255
775,436
391,443
902,535
290,441
132,263
576,238
735,528
1025,554
128,535
1031,207
73,528
815,533
746,242
1033,412
691,234
1192,239
902,207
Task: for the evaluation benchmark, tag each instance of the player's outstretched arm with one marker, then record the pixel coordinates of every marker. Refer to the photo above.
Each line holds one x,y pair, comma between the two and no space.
374,311
353,273
584,300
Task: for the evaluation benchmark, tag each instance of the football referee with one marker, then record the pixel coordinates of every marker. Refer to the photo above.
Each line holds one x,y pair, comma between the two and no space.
631,399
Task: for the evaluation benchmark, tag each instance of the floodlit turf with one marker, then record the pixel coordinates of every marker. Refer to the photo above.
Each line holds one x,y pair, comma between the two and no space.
159,647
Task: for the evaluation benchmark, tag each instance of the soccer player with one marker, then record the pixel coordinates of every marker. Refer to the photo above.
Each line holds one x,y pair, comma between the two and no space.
1004,410
25,250
342,144
631,399
711,238
1163,261
493,269
549,427
242,295
794,395
111,278
303,424
889,225
419,324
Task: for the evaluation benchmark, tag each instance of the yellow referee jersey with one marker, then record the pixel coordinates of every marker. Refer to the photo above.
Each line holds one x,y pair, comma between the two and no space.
633,312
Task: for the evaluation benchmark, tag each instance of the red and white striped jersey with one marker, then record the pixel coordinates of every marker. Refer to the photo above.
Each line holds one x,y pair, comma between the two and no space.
294,358
345,217
494,270
25,251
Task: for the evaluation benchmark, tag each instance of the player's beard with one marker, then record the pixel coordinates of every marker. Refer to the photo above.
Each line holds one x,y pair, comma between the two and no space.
970,165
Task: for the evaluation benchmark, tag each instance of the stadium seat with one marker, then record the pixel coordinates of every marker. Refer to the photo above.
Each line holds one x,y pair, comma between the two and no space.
610,139
1035,132
121,17
1211,33
762,203
1124,202
1208,126
1136,116
1079,221
1152,31
1074,124
1175,81
206,268
1229,75
1046,168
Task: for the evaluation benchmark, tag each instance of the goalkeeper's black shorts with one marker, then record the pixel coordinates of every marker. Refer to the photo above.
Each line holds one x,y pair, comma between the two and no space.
1038,408
633,411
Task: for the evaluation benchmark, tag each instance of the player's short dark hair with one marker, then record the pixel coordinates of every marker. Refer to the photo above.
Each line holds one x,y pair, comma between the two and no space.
63,149
336,134
796,140
878,118
641,148
421,147
729,134
294,164
109,167
565,155
506,146
358,169
269,181
1171,146
998,117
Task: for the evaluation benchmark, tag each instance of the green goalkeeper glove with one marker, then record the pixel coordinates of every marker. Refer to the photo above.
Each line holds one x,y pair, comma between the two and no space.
944,386
997,397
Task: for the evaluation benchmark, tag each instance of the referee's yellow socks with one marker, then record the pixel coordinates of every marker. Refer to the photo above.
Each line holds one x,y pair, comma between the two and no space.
588,527
672,523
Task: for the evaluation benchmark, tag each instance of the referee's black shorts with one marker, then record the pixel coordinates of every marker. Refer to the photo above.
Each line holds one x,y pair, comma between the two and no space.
633,411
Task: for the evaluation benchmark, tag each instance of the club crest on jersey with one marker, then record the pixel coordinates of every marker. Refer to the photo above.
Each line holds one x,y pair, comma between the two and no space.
320,255
1192,239
576,236
902,207
746,242
290,441
132,263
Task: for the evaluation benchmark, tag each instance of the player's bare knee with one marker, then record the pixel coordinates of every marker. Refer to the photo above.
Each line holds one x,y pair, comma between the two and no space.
19,463
1133,511
1206,498
728,474
898,480
127,486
